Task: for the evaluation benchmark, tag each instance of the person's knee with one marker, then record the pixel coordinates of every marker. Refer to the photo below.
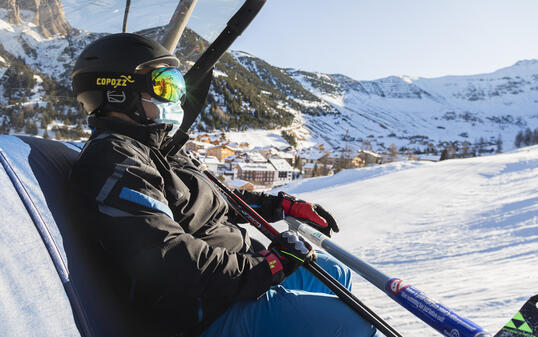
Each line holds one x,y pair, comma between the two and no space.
337,269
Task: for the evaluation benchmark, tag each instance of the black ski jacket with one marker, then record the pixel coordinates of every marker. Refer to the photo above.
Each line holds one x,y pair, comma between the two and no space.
166,226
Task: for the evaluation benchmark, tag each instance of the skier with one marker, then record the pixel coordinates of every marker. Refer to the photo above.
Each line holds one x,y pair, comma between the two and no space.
167,228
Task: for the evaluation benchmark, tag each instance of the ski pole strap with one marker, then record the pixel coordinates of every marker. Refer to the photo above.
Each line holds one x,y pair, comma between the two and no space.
274,263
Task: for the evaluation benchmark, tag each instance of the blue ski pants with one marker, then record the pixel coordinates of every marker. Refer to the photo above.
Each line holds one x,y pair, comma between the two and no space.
300,306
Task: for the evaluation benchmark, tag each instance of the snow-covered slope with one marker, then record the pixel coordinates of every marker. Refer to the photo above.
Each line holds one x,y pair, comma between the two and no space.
463,231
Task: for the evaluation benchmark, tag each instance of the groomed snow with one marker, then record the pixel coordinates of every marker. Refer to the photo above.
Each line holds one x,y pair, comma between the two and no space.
465,232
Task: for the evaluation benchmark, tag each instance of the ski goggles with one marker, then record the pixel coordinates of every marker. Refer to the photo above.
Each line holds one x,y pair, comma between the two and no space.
166,84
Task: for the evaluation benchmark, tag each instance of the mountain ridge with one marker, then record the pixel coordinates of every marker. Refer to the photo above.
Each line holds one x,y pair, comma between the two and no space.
414,114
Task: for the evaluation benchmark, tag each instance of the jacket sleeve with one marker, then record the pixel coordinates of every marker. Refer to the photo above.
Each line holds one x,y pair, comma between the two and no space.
268,206
136,227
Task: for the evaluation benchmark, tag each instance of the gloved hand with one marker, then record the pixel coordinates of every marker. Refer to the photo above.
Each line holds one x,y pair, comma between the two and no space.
313,214
288,254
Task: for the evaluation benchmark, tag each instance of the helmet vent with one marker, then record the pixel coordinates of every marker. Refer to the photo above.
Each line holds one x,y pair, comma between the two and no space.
89,58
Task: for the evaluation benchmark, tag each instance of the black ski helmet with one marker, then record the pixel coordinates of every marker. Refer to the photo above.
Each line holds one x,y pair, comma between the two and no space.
115,58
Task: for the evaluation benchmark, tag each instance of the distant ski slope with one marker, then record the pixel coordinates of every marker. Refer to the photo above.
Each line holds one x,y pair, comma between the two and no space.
463,231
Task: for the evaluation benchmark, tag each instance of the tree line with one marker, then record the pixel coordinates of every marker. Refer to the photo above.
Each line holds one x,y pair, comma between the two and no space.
526,137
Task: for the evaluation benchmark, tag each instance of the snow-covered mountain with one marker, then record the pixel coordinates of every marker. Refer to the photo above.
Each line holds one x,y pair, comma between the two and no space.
463,231
476,112
416,112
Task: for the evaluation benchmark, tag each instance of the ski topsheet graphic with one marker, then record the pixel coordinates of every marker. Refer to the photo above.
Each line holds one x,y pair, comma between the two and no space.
524,323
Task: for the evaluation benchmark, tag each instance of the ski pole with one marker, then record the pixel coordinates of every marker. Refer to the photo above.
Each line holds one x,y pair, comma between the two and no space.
198,78
439,317
330,282
235,27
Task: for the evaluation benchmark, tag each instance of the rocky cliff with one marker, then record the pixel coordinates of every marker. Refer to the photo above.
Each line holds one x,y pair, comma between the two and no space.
48,15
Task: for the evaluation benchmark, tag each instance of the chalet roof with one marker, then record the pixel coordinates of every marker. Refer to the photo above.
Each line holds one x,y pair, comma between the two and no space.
285,155
273,151
210,160
224,146
235,147
201,144
312,154
256,157
231,158
281,164
256,167
342,154
370,153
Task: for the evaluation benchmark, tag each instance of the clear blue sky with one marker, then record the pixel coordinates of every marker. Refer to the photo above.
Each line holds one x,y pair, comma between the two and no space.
368,39
364,39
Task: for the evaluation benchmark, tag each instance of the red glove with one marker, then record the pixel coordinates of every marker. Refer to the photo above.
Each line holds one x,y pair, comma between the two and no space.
312,214
287,255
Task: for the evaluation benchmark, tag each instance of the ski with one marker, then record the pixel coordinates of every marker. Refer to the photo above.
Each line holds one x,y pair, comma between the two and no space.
524,323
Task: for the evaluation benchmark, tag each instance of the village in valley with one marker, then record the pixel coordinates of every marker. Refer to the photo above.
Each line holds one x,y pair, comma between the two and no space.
243,166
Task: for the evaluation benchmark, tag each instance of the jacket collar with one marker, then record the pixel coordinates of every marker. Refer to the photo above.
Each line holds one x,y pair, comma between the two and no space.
152,135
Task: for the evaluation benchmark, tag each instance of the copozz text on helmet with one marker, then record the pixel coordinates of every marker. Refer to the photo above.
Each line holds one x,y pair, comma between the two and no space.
122,81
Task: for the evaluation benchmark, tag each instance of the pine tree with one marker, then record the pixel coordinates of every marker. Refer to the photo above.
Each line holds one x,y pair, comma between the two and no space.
31,127
18,122
393,152
315,172
519,139
465,149
45,120
298,163
324,170
340,163
527,137
59,133
451,151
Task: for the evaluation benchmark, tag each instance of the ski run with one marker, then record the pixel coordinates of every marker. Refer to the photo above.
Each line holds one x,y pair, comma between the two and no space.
464,231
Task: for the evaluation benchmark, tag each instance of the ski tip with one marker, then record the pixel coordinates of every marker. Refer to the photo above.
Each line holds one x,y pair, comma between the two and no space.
524,323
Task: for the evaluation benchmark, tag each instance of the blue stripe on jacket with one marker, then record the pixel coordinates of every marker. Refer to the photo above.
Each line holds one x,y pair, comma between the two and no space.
144,200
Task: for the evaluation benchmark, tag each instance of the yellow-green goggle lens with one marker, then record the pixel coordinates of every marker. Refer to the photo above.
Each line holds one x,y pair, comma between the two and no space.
168,83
